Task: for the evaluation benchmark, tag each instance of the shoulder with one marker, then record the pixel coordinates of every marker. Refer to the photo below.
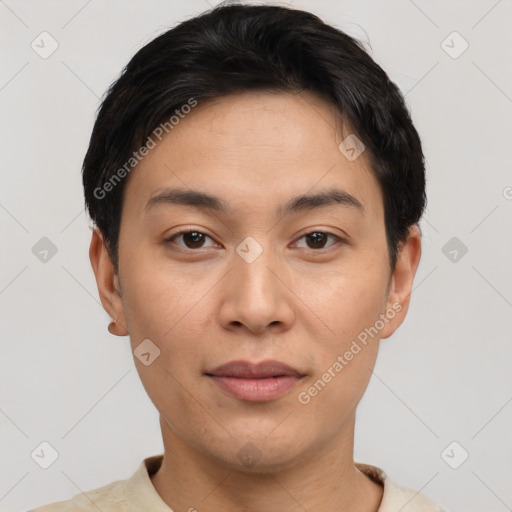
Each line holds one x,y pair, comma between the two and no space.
408,500
397,497
134,494
109,498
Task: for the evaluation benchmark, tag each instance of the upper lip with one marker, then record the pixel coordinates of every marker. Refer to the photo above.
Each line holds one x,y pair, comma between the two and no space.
248,370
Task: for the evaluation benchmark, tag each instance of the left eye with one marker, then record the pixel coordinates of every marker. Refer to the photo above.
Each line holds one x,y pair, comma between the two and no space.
318,239
195,239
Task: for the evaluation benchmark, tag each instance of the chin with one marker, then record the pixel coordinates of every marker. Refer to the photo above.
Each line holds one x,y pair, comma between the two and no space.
259,454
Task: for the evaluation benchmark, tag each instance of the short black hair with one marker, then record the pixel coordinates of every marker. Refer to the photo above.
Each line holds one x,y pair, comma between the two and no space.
236,48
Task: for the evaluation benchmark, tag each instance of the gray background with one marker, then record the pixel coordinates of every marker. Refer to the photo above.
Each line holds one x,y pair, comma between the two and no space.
444,376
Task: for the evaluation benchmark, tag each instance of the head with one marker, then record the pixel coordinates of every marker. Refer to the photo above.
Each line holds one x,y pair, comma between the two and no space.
288,158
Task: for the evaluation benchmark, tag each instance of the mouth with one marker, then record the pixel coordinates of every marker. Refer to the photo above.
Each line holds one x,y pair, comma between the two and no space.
251,382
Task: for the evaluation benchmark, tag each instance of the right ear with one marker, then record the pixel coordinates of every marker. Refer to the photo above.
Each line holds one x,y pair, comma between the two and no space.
108,282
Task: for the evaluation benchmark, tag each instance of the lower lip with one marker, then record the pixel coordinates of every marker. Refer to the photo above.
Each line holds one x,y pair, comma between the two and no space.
256,390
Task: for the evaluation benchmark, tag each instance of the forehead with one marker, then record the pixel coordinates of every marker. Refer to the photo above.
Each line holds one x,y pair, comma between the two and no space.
257,148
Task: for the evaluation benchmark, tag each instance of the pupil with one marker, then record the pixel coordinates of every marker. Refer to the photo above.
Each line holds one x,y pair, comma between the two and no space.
316,236
193,235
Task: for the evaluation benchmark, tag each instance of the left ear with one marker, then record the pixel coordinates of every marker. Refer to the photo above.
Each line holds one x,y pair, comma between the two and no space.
401,282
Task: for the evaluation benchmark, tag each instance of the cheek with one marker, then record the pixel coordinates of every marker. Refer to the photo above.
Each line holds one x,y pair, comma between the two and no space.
347,305
167,307
160,307
330,400
161,300
346,354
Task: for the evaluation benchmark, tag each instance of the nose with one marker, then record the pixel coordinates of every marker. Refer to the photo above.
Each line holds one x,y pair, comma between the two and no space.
256,296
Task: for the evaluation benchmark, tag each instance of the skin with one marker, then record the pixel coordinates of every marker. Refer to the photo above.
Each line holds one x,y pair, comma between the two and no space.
297,302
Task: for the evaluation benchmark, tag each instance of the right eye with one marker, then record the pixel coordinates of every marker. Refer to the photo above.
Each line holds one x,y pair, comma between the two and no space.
192,239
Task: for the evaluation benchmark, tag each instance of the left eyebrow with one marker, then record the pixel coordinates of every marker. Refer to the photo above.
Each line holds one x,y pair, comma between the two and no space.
202,200
327,198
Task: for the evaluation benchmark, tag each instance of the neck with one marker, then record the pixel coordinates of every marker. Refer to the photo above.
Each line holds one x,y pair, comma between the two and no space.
326,480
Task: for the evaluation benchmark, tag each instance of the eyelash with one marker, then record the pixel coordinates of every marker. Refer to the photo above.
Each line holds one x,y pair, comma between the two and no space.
338,240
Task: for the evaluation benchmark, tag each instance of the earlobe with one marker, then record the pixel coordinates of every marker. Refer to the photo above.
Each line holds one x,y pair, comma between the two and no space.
402,279
108,283
116,330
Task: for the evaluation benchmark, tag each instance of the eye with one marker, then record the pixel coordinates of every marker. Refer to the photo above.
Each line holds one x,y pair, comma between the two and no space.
318,239
192,239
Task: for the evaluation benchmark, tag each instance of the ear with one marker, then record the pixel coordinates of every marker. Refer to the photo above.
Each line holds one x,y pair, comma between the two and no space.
401,281
107,282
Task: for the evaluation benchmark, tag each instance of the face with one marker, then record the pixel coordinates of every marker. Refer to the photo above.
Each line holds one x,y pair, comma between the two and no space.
253,276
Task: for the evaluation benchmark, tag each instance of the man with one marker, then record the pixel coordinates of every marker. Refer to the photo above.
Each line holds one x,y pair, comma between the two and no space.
255,181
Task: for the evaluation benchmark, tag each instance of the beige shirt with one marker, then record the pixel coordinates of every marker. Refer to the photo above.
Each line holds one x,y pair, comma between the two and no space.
137,494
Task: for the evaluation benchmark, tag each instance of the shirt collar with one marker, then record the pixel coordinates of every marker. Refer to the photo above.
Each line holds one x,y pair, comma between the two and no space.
140,490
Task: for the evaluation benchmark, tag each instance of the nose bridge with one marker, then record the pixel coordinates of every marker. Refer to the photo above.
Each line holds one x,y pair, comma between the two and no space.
257,298
254,260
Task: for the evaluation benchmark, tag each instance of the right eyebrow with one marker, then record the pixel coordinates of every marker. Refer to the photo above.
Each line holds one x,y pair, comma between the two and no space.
193,198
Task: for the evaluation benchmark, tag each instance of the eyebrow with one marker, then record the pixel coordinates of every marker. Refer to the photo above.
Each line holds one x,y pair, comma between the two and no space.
204,201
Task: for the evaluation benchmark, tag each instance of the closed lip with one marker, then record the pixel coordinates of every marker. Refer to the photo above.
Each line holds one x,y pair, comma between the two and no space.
248,370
